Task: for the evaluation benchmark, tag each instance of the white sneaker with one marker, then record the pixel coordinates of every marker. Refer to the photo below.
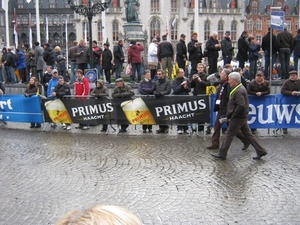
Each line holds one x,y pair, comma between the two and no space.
53,125
179,132
64,126
68,127
85,128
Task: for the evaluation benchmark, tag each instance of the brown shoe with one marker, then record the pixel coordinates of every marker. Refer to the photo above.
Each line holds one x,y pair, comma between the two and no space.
210,147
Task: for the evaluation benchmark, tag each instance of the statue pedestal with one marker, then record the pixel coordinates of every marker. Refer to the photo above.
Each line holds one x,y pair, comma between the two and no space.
133,31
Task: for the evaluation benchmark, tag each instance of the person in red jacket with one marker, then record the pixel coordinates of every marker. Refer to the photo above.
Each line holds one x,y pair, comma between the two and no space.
81,88
135,59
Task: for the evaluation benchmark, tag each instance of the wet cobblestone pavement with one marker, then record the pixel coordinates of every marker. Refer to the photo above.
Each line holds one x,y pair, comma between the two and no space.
163,179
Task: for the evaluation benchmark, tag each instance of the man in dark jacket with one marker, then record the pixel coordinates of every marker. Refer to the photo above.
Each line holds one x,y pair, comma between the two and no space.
195,52
82,55
242,55
226,47
9,66
213,47
72,57
106,62
285,48
162,88
181,52
296,47
237,112
265,45
165,55
119,57
48,55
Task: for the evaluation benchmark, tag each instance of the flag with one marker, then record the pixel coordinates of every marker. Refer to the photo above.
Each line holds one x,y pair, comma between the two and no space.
47,33
30,31
174,22
167,27
16,29
85,33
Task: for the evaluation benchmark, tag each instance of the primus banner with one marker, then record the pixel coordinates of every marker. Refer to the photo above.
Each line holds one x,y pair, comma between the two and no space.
140,110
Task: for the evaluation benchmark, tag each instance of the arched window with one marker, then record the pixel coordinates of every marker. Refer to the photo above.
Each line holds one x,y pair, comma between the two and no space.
206,30
85,29
24,39
71,19
56,39
254,8
249,25
154,28
220,29
64,18
258,24
100,31
24,20
115,30
72,37
174,30
192,26
233,30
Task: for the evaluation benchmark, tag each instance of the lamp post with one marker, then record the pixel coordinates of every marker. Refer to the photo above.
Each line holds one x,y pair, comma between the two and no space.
89,11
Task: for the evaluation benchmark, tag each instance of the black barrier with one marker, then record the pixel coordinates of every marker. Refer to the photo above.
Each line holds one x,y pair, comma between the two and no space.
138,110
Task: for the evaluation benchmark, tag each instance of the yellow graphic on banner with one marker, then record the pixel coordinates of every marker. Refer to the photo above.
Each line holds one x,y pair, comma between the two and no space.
210,90
57,111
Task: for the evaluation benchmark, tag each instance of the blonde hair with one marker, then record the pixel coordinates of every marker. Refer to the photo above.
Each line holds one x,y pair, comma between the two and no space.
100,215
57,49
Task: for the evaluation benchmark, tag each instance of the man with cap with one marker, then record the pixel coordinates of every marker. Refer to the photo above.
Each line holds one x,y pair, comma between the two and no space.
195,52
181,52
122,91
52,83
105,61
226,47
291,87
285,46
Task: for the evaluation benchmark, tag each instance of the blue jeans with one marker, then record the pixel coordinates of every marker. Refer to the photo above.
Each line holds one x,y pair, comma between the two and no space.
267,62
136,67
99,71
253,69
296,57
1,76
10,74
226,60
284,57
72,75
40,75
118,69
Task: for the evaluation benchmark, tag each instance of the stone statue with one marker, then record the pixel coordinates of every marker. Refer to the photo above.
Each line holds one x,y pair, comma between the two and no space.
131,11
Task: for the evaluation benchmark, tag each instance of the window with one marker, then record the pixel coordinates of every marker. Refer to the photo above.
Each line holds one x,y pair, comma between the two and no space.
24,20
249,25
56,20
72,37
258,38
71,19
67,4
258,24
52,4
174,31
115,3
254,8
288,23
20,4
115,30
192,26
100,31
64,39
85,29
233,30
24,39
174,6
155,28
206,30
64,19
268,23
154,5
220,30
210,4
56,39
192,4
297,24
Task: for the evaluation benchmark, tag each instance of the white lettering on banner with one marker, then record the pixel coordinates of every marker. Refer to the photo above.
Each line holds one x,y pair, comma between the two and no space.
93,117
282,112
184,116
6,103
180,108
92,109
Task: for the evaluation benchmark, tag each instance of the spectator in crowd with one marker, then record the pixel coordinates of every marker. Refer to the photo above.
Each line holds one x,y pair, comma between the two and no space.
213,47
199,83
39,61
220,106
72,57
291,87
242,55
243,80
33,88
253,49
20,65
28,64
237,112
152,57
9,65
135,59
165,55
146,87
122,90
119,57
181,52
48,56
81,88
258,87
1,67
226,47
32,65
60,90
97,53
52,83
195,52
162,88
285,46
266,47
82,56
181,86
60,60
46,78
100,91
106,60
296,47
99,215
4,53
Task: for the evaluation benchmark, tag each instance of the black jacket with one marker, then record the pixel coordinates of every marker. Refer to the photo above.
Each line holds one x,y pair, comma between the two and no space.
181,50
48,56
200,87
195,53
212,50
242,54
106,59
118,54
265,44
62,90
164,49
226,46
296,44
